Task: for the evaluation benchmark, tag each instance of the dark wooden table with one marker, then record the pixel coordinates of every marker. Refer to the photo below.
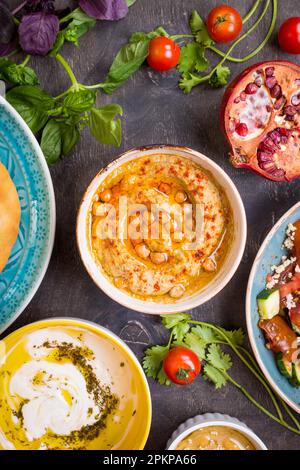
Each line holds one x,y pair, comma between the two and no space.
156,111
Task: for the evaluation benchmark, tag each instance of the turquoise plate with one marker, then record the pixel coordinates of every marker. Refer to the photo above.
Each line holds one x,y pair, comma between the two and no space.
270,253
26,267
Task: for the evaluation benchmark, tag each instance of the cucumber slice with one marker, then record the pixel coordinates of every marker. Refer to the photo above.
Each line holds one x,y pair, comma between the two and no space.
295,380
268,302
284,365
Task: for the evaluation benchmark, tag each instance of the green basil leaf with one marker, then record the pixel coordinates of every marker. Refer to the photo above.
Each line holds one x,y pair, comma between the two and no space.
79,25
70,136
199,29
33,104
51,142
104,127
130,2
126,63
17,74
77,102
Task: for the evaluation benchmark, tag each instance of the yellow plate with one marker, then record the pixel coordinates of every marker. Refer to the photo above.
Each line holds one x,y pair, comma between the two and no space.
39,411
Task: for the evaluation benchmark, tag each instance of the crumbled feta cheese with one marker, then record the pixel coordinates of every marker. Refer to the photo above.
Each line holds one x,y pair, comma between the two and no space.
297,269
289,301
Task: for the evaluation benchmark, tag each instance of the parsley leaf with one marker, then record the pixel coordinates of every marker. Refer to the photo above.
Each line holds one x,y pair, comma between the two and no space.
236,336
189,81
220,77
169,321
199,29
195,343
214,375
192,58
206,334
217,358
152,363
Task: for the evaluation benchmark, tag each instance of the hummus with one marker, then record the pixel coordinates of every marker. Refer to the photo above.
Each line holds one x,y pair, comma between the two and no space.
215,438
173,230
65,388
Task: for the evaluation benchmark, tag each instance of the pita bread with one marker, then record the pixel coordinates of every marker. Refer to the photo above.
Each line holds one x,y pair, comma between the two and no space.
10,213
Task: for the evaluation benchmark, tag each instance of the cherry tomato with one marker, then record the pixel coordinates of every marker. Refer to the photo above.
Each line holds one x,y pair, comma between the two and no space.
181,365
289,35
224,23
164,54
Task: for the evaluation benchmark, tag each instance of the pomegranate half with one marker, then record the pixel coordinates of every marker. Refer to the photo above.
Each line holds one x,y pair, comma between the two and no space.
261,119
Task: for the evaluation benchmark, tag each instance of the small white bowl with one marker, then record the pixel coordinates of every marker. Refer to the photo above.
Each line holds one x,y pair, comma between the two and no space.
219,281
213,419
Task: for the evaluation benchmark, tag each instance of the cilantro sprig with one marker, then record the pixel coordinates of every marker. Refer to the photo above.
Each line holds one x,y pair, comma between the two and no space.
209,341
193,58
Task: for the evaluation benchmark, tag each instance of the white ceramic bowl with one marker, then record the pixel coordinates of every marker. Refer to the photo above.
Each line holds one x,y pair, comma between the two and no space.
220,280
213,419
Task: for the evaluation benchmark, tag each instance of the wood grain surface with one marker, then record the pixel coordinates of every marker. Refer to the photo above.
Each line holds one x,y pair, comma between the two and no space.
156,111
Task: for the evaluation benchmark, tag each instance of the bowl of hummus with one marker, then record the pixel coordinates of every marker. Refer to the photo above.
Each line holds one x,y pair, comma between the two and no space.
214,431
68,384
162,229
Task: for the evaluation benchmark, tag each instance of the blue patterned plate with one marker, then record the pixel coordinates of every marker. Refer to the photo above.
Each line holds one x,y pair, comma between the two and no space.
26,267
270,253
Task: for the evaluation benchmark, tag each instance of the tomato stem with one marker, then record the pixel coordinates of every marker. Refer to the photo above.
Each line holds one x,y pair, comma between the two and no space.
251,11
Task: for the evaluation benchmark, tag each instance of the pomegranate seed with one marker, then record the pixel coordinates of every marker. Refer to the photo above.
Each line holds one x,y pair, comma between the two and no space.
264,156
237,100
269,108
243,96
269,71
280,103
278,173
296,99
251,89
268,166
290,110
275,136
271,82
241,129
276,91
284,131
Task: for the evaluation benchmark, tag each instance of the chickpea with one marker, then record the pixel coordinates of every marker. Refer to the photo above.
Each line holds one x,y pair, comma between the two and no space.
105,195
99,209
165,188
209,265
180,197
177,291
158,258
142,251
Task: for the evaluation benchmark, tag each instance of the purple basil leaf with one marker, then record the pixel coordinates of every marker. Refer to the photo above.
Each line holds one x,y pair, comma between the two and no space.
105,9
37,32
7,25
